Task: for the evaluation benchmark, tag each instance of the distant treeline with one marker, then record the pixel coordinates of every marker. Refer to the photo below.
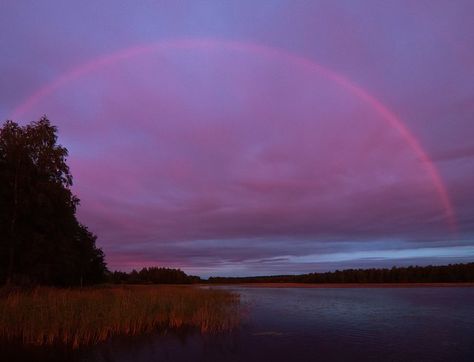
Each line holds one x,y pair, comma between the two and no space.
153,275
412,274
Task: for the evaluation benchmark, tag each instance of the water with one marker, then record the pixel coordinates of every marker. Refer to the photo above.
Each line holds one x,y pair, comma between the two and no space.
322,324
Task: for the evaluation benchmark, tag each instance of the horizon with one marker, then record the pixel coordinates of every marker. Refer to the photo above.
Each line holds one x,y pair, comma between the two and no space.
322,270
291,139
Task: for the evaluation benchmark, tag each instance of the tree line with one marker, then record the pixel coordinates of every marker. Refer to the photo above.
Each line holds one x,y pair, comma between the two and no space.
153,275
412,274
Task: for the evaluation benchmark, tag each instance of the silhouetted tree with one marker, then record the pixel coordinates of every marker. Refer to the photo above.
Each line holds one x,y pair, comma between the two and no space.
154,275
41,239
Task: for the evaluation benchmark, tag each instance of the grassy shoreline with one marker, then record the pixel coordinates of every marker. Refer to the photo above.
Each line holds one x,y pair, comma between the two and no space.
80,317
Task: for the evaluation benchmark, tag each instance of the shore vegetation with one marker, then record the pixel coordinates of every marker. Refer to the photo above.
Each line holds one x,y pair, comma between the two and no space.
79,317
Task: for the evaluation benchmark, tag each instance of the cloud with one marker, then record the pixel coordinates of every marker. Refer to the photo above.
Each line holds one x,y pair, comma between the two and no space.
183,164
246,163
455,154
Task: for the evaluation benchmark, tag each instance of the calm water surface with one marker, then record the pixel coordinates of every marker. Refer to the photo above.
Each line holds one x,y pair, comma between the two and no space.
324,324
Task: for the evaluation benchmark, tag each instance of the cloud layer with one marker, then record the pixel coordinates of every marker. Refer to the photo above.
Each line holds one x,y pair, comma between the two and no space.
225,161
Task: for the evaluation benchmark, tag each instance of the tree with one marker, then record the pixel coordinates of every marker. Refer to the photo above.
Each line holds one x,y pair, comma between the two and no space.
153,275
41,239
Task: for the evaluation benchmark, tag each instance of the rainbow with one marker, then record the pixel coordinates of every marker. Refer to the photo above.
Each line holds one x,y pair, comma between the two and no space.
309,65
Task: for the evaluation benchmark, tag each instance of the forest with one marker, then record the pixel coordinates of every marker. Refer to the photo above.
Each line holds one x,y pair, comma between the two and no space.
413,274
153,275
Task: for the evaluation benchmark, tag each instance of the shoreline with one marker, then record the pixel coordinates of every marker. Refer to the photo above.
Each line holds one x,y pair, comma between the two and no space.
345,285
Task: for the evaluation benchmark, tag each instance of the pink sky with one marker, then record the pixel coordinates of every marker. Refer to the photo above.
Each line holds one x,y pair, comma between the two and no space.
228,159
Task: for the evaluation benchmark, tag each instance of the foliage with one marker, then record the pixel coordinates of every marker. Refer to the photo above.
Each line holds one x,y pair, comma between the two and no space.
412,274
77,317
154,275
41,240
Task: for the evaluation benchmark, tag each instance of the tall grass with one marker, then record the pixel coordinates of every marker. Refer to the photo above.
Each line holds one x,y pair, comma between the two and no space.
77,317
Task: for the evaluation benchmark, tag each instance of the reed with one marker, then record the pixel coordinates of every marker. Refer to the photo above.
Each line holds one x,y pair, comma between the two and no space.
78,317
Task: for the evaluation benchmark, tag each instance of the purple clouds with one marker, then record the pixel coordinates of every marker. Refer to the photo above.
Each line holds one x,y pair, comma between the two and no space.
228,161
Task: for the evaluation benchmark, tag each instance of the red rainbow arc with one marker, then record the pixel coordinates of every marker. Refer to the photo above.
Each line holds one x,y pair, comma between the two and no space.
388,116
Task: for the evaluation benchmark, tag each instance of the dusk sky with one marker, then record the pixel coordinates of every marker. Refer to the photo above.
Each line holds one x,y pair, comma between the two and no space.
256,137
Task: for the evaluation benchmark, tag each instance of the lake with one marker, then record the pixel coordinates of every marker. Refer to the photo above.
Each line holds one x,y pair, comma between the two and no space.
321,324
